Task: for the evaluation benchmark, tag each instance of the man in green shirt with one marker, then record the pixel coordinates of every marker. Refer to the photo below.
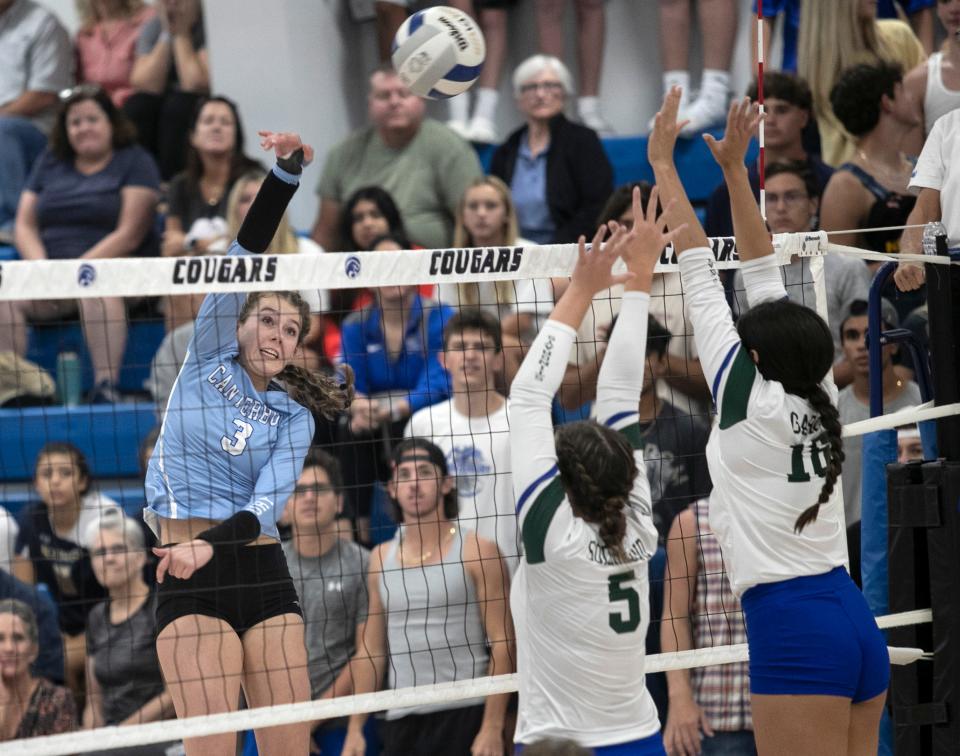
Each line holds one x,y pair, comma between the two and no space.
422,164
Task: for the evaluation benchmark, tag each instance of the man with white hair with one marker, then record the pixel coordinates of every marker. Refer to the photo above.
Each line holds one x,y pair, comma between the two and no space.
422,164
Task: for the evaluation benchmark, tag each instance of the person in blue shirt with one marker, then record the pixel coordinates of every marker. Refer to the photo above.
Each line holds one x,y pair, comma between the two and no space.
235,433
392,347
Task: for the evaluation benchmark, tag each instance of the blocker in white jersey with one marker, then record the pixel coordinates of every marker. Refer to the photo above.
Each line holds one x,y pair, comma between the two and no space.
580,611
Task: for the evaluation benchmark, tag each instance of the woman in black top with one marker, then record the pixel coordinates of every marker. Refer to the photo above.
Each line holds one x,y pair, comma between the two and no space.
557,170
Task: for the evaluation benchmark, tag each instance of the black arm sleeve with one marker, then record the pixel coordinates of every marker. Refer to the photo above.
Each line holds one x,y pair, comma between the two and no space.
265,214
238,530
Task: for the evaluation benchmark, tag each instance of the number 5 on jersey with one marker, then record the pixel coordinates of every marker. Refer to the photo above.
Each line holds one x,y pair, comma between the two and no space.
235,446
619,622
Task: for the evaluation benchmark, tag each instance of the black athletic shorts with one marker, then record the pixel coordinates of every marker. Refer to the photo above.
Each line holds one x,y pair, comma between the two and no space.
242,585
449,732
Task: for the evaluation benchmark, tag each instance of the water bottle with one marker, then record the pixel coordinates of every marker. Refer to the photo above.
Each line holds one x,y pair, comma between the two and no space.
69,379
934,239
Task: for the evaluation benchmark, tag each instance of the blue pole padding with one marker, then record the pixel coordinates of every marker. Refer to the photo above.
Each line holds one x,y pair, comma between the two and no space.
879,449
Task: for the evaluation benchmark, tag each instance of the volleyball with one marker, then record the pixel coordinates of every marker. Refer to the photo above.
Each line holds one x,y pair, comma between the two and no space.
439,52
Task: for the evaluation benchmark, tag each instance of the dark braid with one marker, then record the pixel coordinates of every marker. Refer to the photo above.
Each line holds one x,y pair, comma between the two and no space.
599,493
830,420
319,392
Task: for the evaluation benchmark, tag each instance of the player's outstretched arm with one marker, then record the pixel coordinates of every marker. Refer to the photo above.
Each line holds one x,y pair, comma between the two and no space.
660,147
761,276
753,241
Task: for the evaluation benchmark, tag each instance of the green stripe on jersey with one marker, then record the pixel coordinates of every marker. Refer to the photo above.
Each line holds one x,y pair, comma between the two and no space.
736,392
634,436
537,521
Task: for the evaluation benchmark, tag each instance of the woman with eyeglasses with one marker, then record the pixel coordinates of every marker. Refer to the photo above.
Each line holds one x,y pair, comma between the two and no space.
92,195
124,684
557,170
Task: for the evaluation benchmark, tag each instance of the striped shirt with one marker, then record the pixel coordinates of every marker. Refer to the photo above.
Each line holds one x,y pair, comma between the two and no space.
722,691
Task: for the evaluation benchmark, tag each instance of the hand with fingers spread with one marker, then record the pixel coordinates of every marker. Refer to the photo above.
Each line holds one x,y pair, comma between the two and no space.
592,272
284,144
666,129
642,246
742,119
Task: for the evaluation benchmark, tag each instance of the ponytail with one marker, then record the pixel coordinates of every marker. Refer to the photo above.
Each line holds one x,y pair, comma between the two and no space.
830,420
319,392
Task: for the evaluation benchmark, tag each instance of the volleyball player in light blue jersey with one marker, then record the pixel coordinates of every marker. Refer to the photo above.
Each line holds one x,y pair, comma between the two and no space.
235,433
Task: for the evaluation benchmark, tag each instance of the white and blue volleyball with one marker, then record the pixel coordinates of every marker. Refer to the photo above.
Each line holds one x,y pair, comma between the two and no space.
438,52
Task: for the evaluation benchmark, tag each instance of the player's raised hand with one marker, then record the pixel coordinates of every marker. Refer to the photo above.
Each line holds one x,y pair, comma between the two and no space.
592,272
742,120
642,246
666,129
182,559
284,144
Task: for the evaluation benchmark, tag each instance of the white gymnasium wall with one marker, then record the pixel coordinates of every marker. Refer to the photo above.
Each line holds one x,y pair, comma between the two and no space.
303,64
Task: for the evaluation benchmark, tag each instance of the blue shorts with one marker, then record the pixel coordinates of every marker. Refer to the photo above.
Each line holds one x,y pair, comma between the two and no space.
814,635
648,746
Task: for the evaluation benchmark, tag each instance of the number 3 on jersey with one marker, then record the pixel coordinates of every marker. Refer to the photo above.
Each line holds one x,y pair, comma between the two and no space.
619,592
235,446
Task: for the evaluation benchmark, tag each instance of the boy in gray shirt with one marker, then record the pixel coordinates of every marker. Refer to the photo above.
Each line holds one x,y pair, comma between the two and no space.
330,575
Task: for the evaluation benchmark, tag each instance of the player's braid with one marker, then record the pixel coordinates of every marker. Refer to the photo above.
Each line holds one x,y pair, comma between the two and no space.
830,420
319,392
591,501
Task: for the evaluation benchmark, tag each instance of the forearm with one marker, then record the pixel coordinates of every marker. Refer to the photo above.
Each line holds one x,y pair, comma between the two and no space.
27,240
753,241
122,242
671,188
267,210
926,210
495,712
92,716
150,71
157,708
191,70
30,103
621,375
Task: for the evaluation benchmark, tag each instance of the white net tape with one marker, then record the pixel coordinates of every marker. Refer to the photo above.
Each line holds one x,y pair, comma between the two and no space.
270,716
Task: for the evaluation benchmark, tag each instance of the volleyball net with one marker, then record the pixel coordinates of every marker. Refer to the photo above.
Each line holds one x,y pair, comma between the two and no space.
381,338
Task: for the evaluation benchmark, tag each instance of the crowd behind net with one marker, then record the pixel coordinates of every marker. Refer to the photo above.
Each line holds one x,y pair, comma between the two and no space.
513,284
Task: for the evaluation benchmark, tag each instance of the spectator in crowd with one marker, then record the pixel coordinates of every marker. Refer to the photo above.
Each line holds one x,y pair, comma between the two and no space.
673,441
835,36
473,431
170,75
590,26
124,684
30,706
933,180
486,217
422,164
368,214
54,546
106,43
330,574
35,64
918,11
788,106
870,191
854,404
709,706
935,84
92,195
49,661
718,30
492,17
682,380
392,346
792,205
557,170
449,577
909,444
197,197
